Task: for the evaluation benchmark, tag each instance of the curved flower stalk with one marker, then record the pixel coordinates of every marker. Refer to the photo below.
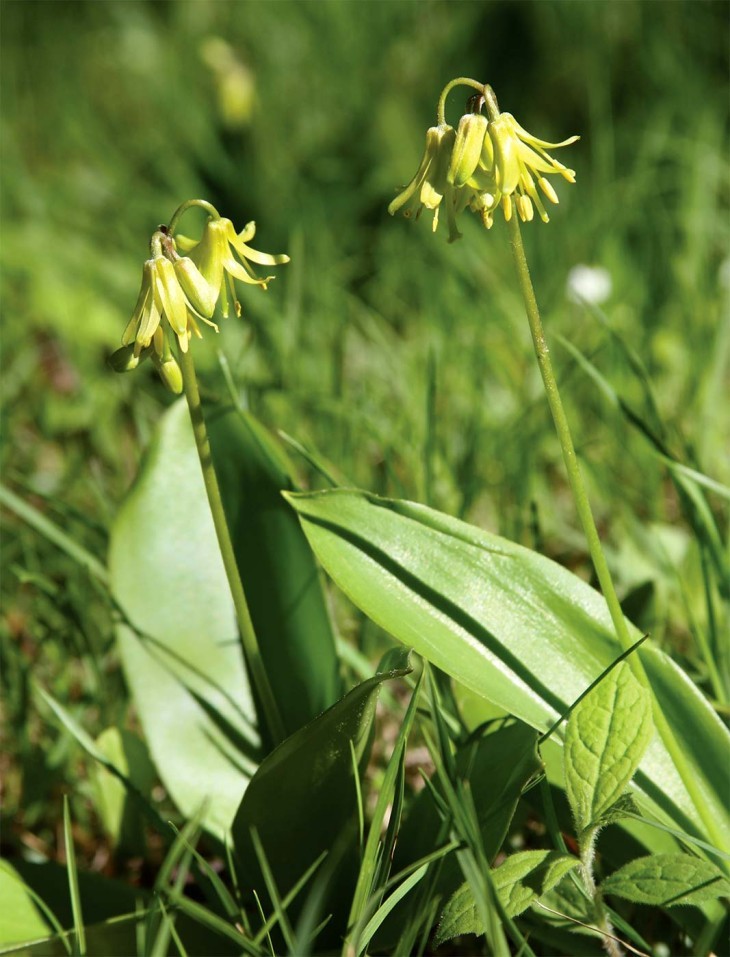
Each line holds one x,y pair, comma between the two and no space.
484,165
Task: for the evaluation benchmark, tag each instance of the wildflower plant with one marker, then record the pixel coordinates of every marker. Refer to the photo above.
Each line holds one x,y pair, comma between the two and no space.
491,162
178,293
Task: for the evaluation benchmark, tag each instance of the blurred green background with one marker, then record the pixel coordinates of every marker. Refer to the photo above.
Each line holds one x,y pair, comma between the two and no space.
404,361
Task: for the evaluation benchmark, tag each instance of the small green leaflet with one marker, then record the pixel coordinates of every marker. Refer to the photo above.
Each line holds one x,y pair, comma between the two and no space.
667,880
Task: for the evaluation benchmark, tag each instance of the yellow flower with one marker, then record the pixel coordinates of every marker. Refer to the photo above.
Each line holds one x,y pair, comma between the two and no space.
216,262
160,297
434,182
482,165
520,162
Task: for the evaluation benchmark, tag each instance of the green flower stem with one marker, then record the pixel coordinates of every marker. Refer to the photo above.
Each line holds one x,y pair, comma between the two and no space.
585,514
566,441
459,81
251,651
188,204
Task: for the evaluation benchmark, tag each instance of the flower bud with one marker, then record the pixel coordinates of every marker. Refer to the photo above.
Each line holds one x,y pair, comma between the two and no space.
200,294
124,359
170,373
467,148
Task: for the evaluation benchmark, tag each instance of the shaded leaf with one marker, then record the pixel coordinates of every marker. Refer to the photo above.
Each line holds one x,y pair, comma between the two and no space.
302,800
519,880
120,815
496,763
277,568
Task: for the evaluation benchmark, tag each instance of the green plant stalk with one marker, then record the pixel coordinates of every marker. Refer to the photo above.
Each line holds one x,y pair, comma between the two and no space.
603,922
249,642
189,204
585,515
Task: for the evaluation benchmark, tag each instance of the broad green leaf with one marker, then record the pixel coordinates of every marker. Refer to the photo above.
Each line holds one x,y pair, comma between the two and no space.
607,735
20,919
277,568
666,880
514,627
302,800
181,657
519,880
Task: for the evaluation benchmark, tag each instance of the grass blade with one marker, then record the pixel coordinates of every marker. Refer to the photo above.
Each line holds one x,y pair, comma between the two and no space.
73,881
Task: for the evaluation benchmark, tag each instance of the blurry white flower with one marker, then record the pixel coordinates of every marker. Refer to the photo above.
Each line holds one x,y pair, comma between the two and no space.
590,284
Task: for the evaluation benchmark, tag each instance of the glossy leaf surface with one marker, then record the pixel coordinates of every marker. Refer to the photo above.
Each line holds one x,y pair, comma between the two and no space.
511,625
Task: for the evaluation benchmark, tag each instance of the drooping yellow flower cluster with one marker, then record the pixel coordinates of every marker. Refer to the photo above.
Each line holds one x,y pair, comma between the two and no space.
180,291
483,165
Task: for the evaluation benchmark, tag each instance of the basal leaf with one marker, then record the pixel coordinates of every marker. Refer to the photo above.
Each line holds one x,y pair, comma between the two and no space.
514,627
277,568
122,817
667,880
607,735
180,651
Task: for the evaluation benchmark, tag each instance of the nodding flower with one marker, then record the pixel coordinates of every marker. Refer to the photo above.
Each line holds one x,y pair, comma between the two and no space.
160,297
521,159
215,259
431,183
179,291
482,165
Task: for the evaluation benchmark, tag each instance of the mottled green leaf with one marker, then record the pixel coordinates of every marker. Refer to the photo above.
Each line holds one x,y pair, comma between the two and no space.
607,735
667,880
519,880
